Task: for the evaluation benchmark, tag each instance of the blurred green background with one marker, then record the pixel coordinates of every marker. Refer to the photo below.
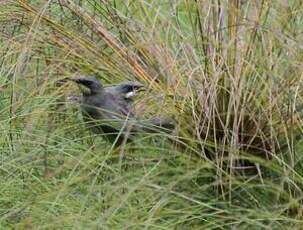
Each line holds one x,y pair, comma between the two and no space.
228,72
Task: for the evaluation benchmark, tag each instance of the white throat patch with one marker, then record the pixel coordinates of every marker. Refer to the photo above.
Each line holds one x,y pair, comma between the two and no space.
130,94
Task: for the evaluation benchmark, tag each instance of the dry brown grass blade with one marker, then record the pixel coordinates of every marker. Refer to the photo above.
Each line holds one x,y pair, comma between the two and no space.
126,55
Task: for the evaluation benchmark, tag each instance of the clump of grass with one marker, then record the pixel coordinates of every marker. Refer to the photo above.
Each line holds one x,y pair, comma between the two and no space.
228,71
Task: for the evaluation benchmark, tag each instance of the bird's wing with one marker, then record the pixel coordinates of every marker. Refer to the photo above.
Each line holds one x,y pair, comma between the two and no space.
109,110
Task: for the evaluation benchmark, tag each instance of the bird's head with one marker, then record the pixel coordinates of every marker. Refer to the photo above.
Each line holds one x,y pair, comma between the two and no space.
129,88
89,85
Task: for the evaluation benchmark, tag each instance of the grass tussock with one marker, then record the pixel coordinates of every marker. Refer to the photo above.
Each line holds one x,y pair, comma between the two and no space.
230,74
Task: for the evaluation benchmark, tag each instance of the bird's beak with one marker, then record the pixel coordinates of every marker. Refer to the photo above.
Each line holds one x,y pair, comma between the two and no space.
76,80
139,88
61,82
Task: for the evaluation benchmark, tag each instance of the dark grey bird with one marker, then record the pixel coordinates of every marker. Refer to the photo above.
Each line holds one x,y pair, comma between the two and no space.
109,110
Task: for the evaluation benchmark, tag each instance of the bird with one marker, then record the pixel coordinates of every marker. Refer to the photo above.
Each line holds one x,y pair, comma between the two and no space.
109,110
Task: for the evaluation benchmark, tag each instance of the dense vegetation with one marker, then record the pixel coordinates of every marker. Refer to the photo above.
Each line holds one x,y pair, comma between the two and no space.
228,72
